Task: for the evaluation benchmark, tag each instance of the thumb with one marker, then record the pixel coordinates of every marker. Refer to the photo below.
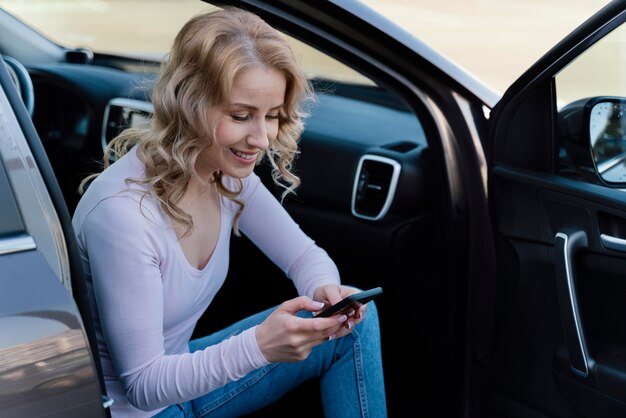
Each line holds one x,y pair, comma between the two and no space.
301,303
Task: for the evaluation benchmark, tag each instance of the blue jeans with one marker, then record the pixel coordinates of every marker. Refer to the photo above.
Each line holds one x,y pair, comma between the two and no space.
350,371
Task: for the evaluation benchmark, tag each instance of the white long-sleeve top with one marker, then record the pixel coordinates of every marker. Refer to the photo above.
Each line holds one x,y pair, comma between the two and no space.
149,297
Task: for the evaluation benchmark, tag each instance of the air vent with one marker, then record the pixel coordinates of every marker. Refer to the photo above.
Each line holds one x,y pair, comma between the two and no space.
120,114
374,186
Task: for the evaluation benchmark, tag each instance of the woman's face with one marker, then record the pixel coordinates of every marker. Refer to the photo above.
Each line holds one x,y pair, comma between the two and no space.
246,125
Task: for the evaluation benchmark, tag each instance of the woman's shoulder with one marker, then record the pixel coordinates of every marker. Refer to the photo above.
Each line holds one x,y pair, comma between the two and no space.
115,193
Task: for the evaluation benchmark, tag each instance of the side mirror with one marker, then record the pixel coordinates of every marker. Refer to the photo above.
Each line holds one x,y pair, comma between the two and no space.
605,122
592,140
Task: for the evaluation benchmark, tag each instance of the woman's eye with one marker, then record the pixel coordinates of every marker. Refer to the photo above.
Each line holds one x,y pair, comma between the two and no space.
276,116
240,118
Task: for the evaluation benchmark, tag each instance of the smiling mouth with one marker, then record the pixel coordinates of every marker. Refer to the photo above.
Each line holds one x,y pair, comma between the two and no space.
245,156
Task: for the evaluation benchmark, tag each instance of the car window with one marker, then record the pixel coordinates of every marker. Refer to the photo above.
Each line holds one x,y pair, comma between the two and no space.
103,26
599,71
320,65
456,28
591,100
514,32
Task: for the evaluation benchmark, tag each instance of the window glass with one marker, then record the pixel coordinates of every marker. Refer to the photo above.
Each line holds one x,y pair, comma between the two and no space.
106,26
599,71
591,124
320,65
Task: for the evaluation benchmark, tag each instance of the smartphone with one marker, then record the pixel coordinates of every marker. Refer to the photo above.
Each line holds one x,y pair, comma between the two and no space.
351,302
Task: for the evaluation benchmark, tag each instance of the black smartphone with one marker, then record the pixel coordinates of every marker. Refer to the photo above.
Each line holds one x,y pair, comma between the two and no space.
351,302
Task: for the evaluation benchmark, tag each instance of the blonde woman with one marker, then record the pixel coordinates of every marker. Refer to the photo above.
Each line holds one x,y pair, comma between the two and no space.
154,230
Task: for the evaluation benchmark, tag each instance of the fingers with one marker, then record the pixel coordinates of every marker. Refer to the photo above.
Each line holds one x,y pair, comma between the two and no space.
342,330
327,329
354,318
316,330
301,303
315,326
360,313
333,294
330,293
285,336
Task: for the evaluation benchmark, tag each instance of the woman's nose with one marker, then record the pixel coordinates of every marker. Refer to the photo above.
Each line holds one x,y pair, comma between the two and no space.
258,137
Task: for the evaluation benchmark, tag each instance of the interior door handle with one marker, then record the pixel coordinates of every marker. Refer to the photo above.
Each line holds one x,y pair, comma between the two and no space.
613,243
567,243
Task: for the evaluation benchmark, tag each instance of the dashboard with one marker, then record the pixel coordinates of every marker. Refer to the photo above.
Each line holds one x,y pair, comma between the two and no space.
361,170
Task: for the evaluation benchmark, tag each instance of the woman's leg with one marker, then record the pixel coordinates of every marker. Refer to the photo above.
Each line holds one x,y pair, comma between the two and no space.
353,385
182,410
350,369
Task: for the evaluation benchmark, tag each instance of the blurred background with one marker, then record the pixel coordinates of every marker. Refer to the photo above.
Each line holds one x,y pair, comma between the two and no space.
495,40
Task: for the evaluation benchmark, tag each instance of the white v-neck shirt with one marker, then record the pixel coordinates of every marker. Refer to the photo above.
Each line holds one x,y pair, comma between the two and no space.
149,297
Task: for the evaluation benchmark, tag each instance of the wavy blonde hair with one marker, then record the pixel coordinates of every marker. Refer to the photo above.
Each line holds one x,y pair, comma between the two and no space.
208,53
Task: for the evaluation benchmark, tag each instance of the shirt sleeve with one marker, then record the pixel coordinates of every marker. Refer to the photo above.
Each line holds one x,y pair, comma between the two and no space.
123,245
270,227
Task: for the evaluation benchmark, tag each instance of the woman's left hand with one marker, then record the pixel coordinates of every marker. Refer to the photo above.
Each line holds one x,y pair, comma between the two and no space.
331,294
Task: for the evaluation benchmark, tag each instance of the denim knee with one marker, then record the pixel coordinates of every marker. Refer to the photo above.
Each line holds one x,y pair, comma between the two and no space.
371,316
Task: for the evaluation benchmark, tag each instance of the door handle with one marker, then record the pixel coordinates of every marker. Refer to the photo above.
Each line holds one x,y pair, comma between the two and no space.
567,243
613,243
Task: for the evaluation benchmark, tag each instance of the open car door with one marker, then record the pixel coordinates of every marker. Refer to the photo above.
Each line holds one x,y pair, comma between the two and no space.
47,367
559,346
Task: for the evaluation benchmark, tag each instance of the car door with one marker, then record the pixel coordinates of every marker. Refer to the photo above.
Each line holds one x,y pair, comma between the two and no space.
46,363
559,333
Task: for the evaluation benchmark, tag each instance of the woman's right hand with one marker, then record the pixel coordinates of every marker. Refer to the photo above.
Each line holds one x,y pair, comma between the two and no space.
285,337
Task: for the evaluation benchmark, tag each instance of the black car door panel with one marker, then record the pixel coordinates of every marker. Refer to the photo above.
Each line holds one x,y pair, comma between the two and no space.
560,339
559,328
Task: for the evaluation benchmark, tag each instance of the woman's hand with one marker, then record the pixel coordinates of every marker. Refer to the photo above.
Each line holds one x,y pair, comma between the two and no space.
331,294
285,337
